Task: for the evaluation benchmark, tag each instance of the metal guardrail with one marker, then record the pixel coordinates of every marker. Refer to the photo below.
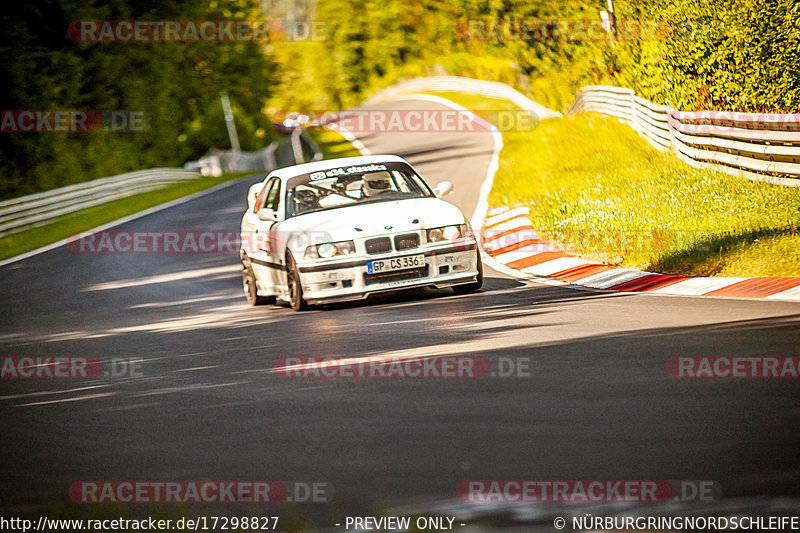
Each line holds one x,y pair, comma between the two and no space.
294,149
23,212
18,214
491,89
759,146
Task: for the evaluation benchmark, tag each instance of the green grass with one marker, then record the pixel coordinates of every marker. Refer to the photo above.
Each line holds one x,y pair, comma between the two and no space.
86,219
478,104
332,144
597,188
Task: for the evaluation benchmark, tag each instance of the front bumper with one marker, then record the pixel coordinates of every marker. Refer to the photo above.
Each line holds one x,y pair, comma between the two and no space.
348,279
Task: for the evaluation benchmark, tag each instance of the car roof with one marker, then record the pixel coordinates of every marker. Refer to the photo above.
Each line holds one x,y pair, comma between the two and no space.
316,166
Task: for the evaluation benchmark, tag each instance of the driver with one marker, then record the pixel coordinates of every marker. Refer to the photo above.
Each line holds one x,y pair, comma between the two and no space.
376,183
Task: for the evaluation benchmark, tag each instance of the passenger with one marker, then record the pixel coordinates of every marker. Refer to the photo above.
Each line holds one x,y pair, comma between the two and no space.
376,183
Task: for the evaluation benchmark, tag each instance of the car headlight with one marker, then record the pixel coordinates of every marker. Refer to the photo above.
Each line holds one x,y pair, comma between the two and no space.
330,249
448,233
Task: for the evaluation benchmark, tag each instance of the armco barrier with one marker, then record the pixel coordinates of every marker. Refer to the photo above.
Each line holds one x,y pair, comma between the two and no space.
20,213
760,146
291,150
491,89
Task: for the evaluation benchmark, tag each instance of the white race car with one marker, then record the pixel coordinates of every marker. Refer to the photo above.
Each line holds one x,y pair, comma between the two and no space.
341,229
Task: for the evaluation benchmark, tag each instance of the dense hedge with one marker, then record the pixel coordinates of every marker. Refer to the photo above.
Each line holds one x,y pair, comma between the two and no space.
176,85
703,54
737,55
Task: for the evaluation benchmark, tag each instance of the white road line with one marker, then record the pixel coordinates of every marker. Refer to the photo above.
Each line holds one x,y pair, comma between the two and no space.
65,400
117,222
352,139
481,209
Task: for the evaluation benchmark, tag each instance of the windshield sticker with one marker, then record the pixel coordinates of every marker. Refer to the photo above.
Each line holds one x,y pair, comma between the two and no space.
345,171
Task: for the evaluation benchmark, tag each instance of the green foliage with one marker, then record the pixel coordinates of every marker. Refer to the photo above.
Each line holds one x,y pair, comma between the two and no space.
332,144
738,56
177,85
691,54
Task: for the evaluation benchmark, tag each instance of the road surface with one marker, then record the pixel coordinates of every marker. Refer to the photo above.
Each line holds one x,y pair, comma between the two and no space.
204,403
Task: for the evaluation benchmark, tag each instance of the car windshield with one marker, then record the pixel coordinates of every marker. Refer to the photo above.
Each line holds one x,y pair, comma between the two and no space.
353,185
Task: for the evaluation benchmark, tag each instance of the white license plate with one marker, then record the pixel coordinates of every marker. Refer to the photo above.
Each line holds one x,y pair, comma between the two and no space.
398,263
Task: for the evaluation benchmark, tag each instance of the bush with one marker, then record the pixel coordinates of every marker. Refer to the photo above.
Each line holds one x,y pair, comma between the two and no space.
705,54
177,85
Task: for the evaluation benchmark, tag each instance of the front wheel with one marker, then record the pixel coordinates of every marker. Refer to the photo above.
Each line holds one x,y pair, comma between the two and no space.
475,285
296,300
250,289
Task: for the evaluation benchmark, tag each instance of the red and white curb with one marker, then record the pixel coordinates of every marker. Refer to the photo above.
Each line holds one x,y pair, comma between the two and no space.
509,238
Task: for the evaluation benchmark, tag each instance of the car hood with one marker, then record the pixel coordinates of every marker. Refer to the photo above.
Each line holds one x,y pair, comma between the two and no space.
381,218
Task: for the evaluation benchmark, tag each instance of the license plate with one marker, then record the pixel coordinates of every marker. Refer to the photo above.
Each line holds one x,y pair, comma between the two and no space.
398,263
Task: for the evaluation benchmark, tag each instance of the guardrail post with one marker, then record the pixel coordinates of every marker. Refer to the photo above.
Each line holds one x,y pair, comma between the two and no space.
297,148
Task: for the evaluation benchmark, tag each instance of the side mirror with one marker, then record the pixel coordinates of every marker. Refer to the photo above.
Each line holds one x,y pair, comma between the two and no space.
253,193
267,215
443,189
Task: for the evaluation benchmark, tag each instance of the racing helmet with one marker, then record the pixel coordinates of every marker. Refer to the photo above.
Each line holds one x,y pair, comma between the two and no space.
376,183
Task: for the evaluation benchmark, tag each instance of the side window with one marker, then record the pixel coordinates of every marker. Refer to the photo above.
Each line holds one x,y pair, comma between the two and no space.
274,196
266,192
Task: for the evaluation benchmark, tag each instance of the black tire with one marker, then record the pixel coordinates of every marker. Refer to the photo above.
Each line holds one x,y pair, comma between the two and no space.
250,291
296,300
475,285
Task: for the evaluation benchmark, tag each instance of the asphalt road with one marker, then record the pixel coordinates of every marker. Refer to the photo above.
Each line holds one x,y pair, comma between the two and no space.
205,403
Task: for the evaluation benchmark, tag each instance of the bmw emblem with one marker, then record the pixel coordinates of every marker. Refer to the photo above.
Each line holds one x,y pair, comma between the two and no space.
387,227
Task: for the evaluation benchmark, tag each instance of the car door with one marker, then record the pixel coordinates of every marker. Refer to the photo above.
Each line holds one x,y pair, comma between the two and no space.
274,244
248,227
259,238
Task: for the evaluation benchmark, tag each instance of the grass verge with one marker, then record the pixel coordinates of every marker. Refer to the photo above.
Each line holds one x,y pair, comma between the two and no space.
86,219
601,191
332,144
